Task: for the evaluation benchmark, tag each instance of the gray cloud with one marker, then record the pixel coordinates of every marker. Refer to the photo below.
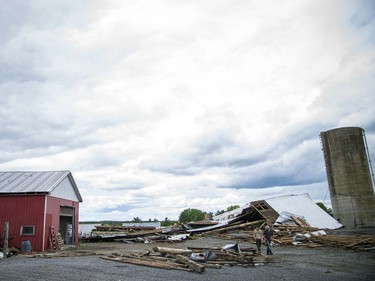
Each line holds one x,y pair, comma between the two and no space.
232,95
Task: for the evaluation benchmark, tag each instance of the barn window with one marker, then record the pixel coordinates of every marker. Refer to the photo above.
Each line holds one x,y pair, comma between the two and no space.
28,230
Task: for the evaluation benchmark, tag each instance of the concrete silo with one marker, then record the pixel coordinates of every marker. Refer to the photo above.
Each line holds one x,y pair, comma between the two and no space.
350,177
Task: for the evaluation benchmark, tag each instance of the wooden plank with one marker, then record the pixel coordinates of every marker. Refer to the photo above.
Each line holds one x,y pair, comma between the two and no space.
229,256
222,262
358,242
173,251
300,222
229,227
162,265
191,264
151,258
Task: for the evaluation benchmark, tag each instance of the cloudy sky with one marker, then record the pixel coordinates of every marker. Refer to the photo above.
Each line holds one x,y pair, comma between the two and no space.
158,106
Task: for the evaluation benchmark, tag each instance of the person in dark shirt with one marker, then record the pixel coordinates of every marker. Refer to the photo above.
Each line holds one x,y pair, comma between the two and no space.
267,234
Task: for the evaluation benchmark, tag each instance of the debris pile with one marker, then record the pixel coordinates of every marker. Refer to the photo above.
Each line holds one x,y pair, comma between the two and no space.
135,234
305,236
192,259
297,234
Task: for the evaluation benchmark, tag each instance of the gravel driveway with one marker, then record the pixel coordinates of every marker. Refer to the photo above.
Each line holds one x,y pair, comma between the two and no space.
289,263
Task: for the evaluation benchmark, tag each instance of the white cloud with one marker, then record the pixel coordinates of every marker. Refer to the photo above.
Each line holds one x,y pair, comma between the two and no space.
156,107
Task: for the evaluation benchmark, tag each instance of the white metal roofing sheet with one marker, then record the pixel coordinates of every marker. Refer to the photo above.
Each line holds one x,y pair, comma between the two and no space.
302,204
30,182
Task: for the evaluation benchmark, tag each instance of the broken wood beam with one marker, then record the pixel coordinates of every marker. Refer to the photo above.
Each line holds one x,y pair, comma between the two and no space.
191,264
229,256
156,264
358,242
225,228
173,251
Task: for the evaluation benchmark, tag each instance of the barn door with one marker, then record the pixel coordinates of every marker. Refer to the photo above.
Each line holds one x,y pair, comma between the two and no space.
67,224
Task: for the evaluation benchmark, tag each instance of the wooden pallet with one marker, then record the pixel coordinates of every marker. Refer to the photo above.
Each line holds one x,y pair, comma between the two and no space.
60,241
52,239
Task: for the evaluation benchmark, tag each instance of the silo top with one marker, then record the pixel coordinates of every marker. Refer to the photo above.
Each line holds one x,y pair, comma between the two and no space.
342,129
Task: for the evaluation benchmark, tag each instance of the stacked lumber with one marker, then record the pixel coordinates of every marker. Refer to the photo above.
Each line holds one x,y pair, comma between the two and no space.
180,259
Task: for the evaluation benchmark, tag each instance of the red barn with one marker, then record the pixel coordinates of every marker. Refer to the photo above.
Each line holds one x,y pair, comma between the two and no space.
33,202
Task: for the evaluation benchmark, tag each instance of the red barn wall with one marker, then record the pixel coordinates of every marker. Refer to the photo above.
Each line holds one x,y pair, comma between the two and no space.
53,215
29,210
19,211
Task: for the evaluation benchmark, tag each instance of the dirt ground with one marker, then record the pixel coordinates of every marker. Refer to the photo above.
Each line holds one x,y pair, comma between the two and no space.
288,263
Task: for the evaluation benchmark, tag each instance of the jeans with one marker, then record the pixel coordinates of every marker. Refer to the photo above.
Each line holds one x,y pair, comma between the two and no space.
269,247
259,243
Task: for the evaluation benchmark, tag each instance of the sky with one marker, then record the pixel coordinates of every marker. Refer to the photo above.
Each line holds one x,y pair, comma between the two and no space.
159,106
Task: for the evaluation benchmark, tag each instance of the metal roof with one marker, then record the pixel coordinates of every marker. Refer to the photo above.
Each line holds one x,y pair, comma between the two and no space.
43,182
302,204
297,204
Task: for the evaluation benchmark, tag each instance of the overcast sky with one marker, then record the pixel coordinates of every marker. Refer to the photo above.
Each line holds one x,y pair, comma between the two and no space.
158,106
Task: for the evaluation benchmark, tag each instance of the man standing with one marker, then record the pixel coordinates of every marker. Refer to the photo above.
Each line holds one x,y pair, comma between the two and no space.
268,233
258,235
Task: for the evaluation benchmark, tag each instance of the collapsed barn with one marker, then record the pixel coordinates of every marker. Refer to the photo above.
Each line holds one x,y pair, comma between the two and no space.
296,220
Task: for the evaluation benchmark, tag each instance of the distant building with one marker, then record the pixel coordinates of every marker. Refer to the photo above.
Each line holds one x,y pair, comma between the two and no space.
33,202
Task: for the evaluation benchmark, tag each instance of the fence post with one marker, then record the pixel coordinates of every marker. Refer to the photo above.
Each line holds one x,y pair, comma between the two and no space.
6,237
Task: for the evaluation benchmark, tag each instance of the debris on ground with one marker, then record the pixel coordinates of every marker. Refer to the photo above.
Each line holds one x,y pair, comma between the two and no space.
192,259
136,234
61,254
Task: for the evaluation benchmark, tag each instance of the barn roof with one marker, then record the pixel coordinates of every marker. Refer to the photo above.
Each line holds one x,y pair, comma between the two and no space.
295,204
34,182
302,204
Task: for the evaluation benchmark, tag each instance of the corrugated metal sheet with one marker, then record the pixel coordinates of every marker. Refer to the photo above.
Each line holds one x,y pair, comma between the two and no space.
297,204
31,182
303,205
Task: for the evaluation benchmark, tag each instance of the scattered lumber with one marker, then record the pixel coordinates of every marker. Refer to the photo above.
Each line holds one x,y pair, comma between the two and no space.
63,254
231,226
301,234
182,259
163,265
191,264
300,222
353,242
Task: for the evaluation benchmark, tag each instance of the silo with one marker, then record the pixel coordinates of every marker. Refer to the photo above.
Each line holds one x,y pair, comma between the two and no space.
350,177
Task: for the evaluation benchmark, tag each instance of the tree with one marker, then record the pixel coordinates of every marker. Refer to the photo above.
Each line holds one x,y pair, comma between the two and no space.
219,212
327,210
188,215
137,219
232,207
